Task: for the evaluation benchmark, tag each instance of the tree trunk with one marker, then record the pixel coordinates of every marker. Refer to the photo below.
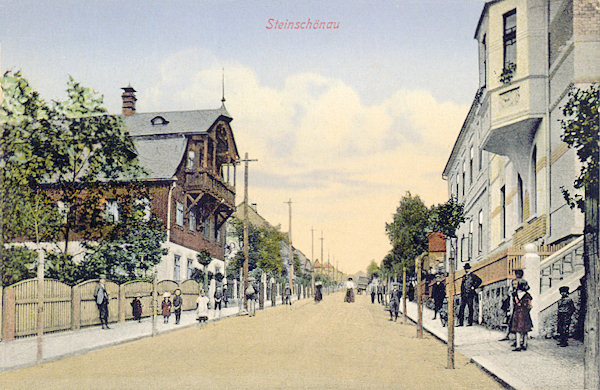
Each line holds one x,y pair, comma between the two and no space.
592,284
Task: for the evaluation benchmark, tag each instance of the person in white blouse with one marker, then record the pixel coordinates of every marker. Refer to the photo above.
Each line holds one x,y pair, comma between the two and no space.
350,286
202,307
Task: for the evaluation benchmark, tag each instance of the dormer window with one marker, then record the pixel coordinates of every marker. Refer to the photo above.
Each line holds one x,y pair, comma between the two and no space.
159,121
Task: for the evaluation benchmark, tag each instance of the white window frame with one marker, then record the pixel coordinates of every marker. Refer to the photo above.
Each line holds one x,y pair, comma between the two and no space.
179,213
111,209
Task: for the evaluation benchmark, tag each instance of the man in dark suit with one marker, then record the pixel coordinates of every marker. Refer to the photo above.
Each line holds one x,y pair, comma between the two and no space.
438,293
101,298
468,286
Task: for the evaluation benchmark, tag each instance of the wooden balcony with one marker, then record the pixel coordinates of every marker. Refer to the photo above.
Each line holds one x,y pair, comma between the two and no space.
207,182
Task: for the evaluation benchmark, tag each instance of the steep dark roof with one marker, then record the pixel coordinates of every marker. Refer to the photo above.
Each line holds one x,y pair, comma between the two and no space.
159,137
175,122
160,156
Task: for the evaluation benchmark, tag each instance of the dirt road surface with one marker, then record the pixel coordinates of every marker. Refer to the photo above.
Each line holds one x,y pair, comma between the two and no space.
330,345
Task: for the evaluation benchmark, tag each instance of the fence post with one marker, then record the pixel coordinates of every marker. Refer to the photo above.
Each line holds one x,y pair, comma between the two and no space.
75,307
122,302
8,320
531,274
1,312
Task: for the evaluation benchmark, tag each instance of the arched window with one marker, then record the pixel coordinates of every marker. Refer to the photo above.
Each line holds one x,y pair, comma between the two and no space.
533,176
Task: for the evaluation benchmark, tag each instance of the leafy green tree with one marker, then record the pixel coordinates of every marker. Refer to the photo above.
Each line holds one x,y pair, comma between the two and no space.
237,262
132,246
269,253
373,269
447,217
89,151
407,230
73,150
24,140
264,249
581,132
16,264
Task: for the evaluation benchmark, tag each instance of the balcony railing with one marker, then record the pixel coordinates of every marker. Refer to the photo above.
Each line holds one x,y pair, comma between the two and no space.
207,182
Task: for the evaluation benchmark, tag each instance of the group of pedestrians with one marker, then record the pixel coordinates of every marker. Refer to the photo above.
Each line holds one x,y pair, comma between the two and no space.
168,306
517,307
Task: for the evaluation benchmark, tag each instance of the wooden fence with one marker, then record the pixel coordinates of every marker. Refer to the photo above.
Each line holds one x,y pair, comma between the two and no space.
67,307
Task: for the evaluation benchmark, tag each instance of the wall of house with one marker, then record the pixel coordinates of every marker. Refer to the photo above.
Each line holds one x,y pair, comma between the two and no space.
491,298
193,239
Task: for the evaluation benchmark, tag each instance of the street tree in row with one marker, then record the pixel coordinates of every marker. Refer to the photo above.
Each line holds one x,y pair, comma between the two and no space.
406,232
373,270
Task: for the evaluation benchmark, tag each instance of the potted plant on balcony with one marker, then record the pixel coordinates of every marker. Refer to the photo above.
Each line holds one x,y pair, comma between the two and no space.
508,72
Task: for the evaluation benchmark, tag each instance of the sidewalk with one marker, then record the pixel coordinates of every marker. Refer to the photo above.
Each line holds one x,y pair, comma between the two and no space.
543,366
22,352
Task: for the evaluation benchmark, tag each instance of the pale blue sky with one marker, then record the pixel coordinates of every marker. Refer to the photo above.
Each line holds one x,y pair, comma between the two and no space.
387,65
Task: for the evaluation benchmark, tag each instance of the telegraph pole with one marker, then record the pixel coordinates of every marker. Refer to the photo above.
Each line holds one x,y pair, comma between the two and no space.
245,271
312,257
404,294
451,308
322,261
291,273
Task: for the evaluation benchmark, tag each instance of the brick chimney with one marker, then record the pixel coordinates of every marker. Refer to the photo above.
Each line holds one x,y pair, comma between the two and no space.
129,99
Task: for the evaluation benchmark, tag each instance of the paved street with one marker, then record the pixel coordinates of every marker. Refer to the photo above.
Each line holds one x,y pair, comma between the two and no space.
321,346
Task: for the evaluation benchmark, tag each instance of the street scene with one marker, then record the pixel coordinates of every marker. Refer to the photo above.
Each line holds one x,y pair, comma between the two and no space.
390,194
330,345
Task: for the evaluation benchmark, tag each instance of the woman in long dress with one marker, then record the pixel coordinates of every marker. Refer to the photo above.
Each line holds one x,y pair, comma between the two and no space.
202,307
318,293
349,291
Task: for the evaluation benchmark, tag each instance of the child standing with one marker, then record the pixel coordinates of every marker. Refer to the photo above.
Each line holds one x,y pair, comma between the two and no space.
521,321
566,308
202,307
166,307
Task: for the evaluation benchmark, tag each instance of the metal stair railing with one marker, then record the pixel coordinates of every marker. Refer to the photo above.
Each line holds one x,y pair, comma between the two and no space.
561,264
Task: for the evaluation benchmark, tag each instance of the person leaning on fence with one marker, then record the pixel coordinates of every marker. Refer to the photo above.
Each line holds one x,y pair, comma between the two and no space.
136,309
177,304
101,298
202,307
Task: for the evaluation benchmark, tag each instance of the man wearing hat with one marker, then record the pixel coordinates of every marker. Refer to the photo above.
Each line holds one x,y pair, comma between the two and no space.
438,292
566,308
468,286
101,298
